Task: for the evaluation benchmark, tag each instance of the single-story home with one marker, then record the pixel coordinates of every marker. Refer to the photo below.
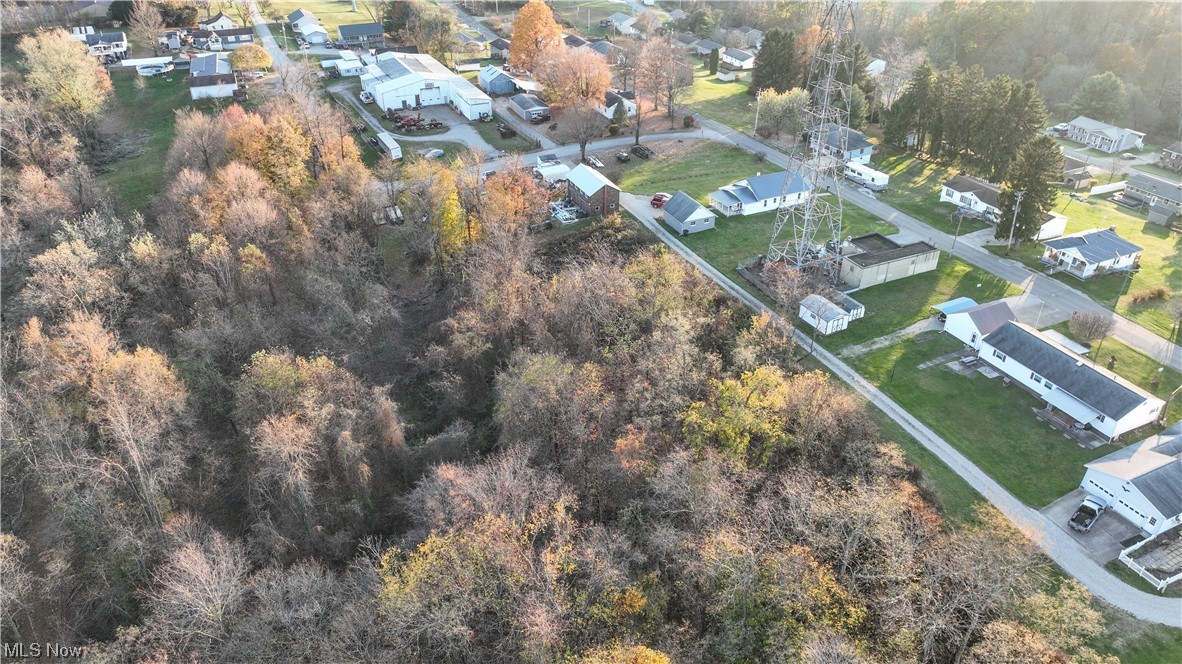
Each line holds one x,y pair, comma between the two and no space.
495,81
611,53
1142,482
1071,385
614,98
573,42
210,76
1091,253
1163,197
1103,136
529,107
314,33
737,58
759,194
389,145
972,324
869,260
685,215
857,148
972,194
218,21
365,35
1171,157
499,48
1052,226
222,40
591,191
406,80
828,317
703,47
348,64
550,167
684,40
301,17
623,23
106,44
1076,173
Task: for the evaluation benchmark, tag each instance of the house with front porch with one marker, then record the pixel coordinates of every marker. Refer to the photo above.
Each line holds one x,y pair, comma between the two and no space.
1076,391
1091,253
1162,197
106,44
846,144
762,193
977,196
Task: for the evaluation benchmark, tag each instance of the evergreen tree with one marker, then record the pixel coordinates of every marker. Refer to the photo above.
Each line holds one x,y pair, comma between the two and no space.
713,61
857,108
921,91
1035,172
1101,97
776,67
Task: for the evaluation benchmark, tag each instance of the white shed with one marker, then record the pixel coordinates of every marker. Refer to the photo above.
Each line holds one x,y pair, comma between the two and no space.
971,325
826,316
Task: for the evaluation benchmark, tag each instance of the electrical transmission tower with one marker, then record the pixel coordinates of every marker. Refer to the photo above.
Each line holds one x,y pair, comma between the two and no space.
807,236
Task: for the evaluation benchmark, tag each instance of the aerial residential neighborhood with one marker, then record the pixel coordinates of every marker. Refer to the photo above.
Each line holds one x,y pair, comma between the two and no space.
591,331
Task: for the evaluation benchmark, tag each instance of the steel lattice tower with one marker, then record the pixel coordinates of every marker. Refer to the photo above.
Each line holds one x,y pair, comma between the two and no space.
814,241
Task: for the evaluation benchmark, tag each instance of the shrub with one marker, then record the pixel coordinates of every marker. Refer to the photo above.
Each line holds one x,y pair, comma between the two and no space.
687,121
1149,294
760,156
613,129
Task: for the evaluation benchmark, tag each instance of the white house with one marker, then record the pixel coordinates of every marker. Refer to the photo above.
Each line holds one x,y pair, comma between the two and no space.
972,194
301,17
761,193
1162,197
222,40
1103,136
971,325
348,64
389,145
105,44
499,48
1052,227
313,33
1071,385
405,80
623,23
1142,482
703,47
613,99
751,37
218,21
78,34
828,317
1091,253
685,215
857,147
211,76
737,58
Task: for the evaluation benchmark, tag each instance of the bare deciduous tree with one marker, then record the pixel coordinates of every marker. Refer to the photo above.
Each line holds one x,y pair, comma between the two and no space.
199,592
583,124
146,24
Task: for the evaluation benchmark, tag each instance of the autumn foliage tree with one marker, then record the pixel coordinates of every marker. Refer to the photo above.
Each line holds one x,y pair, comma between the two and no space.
535,36
573,78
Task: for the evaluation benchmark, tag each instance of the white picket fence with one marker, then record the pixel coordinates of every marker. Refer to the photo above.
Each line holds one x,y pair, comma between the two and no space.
1159,584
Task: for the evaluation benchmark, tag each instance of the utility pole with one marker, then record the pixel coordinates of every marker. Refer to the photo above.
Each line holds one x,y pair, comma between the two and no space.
758,99
1017,206
959,221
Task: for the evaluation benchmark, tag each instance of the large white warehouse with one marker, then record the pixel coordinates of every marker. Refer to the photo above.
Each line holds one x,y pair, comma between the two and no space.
406,80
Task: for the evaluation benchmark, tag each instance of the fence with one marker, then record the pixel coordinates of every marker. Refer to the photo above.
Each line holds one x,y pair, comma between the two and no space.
1159,584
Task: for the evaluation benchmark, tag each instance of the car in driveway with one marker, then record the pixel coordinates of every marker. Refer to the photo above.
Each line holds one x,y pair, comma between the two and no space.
1128,155
1087,513
659,199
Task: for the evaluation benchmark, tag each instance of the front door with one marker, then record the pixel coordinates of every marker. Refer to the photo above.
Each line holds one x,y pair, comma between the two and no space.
417,102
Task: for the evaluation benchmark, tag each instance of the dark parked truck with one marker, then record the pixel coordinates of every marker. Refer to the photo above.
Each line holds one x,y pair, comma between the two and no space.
1086,514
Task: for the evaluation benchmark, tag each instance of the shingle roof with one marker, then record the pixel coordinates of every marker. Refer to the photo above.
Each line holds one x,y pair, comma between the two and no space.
588,180
1176,147
105,38
499,44
676,15
1168,189
737,54
602,46
1096,245
687,38
1088,124
527,102
681,207
361,29
299,14
990,316
209,65
215,18
574,41
613,97
1153,466
620,18
985,191
854,139
708,45
761,187
1103,390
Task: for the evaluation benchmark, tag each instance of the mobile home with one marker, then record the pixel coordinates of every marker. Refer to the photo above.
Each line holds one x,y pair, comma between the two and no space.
866,176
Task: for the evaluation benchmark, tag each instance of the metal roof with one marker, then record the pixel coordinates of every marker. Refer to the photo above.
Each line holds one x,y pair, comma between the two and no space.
1102,390
822,308
738,54
588,180
1096,245
681,207
955,304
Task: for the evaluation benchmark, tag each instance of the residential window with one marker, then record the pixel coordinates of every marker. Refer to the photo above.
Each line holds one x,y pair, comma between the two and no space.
693,223
1153,520
999,355
1049,385
1101,418
1036,378
974,338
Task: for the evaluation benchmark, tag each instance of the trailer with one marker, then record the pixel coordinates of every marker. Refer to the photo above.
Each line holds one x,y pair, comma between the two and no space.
866,176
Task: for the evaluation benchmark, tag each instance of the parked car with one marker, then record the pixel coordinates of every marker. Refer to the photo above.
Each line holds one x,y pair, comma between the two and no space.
1062,126
366,97
623,156
866,192
1128,155
659,199
593,162
255,75
1086,514
433,154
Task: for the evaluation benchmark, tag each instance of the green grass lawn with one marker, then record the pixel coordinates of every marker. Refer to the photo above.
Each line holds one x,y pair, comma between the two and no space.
991,425
585,15
735,240
915,189
283,37
724,101
895,305
148,112
697,172
488,131
1161,262
331,13
1139,369
1159,171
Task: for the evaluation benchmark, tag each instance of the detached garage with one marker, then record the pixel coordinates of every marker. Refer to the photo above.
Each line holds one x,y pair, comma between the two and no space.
685,215
1142,482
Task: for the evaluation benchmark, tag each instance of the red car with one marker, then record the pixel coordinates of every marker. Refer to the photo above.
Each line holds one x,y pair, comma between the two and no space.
659,200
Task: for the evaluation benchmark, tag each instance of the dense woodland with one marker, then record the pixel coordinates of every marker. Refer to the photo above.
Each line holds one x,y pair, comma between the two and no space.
246,423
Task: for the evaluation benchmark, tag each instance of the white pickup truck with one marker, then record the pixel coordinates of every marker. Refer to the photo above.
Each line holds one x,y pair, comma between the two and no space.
1086,514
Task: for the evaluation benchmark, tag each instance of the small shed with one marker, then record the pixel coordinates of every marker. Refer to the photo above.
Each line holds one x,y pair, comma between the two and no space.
495,81
828,317
971,325
389,145
685,215
529,107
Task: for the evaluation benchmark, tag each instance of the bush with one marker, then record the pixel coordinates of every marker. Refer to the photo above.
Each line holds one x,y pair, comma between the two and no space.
613,129
1149,294
760,156
687,121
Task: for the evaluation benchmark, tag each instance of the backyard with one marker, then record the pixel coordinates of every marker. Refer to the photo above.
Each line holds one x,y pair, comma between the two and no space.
332,13
915,190
724,101
1161,262
695,168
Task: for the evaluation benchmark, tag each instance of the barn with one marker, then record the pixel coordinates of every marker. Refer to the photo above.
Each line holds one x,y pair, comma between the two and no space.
495,81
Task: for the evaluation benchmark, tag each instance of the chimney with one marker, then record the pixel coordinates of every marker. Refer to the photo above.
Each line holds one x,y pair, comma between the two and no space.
1112,228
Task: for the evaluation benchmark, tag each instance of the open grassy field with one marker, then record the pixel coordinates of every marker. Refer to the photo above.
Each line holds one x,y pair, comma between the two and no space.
584,15
895,305
145,118
1161,262
724,101
991,425
697,169
488,131
915,189
332,13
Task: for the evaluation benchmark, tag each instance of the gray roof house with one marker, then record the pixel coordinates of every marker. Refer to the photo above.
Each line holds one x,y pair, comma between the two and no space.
858,147
1143,481
676,15
972,324
364,34
759,194
685,215
1071,385
704,46
608,50
1091,253
1162,196
574,41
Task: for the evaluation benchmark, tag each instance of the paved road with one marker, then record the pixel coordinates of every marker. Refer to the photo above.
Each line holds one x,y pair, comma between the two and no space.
488,34
1055,293
279,58
1058,545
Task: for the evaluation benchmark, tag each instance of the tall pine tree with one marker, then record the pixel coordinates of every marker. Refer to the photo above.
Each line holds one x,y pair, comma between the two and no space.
1035,172
776,66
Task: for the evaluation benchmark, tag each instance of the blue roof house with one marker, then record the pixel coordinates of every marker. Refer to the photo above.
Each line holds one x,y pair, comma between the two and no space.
761,193
1091,253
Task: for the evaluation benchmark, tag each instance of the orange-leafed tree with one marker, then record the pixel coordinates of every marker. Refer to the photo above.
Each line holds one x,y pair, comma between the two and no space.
535,34
573,78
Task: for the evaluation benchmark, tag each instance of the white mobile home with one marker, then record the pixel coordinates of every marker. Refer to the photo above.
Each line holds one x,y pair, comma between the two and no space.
867,177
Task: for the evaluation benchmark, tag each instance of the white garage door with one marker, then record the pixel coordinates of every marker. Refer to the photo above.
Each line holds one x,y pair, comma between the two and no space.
429,96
